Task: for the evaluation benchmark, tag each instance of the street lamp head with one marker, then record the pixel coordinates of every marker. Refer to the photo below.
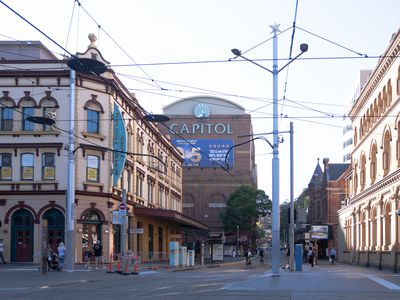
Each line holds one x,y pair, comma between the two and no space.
237,52
303,47
40,120
156,118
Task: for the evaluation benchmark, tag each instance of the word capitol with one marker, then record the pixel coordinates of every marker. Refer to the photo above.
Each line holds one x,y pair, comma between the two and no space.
196,128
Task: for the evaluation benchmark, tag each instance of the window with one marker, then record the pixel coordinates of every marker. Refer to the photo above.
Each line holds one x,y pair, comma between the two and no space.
373,164
150,191
362,172
129,180
51,113
48,166
6,119
92,168
27,160
26,112
5,166
386,153
139,184
93,118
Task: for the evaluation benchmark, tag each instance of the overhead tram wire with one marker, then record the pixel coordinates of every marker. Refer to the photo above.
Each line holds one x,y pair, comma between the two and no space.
117,44
290,57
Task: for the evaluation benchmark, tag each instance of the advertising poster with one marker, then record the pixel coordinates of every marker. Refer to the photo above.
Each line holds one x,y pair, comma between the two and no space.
205,153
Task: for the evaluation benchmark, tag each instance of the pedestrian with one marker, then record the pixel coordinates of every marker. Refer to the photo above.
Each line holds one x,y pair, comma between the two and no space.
261,253
233,253
311,256
98,253
332,255
2,250
61,254
86,256
287,266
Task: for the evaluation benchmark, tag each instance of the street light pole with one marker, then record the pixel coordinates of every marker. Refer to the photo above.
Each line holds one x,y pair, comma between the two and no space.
275,159
291,235
70,201
275,152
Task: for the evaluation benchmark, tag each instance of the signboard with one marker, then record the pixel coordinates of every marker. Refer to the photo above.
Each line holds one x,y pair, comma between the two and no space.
122,206
119,217
205,153
217,252
319,232
136,230
119,144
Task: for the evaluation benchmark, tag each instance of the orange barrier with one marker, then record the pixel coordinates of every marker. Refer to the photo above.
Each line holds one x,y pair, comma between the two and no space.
135,266
125,272
110,265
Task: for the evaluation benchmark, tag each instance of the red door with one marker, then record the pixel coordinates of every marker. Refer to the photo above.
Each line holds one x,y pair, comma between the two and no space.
23,248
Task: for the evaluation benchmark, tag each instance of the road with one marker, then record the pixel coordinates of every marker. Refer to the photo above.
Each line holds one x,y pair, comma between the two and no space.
231,281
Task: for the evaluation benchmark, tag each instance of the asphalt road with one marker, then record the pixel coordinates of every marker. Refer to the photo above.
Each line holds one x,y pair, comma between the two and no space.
230,281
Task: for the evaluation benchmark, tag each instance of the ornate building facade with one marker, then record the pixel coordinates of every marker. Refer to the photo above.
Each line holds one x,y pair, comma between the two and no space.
33,160
369,226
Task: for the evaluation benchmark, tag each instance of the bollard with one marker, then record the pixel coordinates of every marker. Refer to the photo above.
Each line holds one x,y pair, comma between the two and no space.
135,267
125,271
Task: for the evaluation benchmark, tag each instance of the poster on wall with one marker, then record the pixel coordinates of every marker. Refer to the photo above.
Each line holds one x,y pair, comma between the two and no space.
205,153
319,232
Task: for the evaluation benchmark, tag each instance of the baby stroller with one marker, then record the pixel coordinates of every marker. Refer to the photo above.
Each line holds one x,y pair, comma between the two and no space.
53,262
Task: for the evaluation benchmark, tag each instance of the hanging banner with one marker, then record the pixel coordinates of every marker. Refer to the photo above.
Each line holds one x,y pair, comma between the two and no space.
119,144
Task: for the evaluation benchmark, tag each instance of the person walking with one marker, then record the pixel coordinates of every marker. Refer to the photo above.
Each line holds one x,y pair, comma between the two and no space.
61,254
86,256
2,246
311,256
98,254
332,255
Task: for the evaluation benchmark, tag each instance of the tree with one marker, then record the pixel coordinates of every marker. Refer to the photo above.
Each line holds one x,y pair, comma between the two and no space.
244,208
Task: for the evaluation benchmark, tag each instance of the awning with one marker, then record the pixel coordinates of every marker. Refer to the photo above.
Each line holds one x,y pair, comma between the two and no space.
171,215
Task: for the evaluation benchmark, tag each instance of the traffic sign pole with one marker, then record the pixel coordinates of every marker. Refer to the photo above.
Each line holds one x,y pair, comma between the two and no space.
122,207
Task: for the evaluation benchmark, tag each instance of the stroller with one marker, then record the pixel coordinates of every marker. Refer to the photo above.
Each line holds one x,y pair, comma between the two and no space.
53,262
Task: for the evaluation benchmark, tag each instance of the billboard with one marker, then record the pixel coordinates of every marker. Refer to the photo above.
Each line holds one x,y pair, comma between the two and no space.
319,232
205,153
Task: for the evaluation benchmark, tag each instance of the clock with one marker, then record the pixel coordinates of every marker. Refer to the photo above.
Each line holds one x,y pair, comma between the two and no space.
201,110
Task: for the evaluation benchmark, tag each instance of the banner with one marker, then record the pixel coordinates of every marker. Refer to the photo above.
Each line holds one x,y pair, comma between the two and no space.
205,153
119,143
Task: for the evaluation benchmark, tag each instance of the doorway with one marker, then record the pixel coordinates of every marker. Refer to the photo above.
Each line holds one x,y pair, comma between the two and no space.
55,222
22,236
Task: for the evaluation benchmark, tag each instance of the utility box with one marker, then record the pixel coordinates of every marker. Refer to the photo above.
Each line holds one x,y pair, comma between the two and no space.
298,250
174,254
190,258
182,256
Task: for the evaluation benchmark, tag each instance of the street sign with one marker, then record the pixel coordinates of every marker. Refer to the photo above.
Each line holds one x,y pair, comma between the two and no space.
136,230
122,206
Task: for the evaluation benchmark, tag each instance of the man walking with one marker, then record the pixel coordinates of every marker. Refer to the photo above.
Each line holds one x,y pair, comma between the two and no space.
333,255
98,253
2,250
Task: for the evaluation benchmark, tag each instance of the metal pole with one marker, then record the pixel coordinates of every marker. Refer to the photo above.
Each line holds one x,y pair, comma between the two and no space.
123,233
237,240
70,201
291,236
275,162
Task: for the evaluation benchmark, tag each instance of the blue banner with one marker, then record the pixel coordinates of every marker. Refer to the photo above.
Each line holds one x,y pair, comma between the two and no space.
119,144
205,153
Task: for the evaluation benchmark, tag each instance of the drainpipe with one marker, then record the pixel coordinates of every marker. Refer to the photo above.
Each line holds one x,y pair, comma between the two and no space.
396,231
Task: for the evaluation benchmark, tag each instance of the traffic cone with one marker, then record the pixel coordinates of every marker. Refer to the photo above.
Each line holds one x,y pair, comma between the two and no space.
110,265
118,265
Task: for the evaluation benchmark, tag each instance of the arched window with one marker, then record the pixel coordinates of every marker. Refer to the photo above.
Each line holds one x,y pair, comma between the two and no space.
49,106
93,110
355,185
386,153
372,167
355,137
362,172
398,81
398,143
389,92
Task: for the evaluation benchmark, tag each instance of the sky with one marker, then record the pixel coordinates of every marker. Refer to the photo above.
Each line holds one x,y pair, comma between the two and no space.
164,51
